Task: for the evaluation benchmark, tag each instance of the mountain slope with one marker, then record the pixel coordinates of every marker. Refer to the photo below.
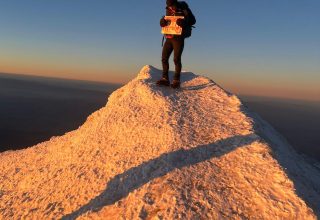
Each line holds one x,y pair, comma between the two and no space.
160,153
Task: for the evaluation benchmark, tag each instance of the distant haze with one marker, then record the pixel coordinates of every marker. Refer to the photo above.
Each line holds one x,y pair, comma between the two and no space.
33,109
265,48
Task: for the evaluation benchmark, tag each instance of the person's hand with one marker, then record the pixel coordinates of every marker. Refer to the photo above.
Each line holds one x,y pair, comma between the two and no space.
180,22
163,22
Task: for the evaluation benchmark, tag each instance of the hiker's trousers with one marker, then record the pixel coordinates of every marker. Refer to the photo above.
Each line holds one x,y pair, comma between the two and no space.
176,45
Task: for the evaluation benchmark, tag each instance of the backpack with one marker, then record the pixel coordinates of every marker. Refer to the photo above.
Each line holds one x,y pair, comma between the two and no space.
187,31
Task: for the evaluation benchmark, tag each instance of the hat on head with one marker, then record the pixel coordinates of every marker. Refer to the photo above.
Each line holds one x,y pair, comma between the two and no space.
171,2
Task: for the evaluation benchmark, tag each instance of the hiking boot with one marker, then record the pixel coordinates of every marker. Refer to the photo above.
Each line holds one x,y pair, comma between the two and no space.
175,84
163,82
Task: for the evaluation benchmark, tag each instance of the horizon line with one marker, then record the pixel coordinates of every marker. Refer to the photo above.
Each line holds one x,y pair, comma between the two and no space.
122,84
58,78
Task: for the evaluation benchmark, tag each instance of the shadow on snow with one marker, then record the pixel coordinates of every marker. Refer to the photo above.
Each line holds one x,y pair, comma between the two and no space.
122,184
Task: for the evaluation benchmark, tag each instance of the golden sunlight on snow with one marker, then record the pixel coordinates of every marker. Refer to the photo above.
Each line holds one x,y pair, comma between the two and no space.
158,153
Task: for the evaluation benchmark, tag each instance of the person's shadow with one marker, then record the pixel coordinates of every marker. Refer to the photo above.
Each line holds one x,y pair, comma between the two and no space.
122,184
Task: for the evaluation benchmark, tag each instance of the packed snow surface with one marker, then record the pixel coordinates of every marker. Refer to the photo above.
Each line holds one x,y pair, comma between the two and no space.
159,153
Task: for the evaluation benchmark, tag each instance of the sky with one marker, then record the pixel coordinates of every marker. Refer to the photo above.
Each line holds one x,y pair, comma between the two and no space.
249,47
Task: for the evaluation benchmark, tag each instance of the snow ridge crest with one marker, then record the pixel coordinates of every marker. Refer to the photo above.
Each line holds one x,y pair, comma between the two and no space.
156,152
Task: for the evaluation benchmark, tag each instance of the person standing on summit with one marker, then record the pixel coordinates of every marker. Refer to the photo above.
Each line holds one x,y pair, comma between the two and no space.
175,43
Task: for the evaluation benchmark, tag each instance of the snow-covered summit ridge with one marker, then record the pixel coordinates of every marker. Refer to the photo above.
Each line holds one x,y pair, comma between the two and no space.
157,153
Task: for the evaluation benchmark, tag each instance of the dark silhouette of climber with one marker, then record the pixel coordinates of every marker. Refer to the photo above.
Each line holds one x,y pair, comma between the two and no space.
175,42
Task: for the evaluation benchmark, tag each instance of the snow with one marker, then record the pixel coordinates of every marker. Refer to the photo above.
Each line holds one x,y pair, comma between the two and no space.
158,153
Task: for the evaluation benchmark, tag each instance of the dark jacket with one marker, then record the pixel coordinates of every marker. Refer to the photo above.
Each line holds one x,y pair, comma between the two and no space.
182,9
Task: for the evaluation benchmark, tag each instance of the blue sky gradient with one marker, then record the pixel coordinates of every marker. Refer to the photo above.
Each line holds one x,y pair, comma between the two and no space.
267,47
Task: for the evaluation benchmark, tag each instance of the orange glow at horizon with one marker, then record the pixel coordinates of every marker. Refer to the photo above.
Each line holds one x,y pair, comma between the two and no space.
254,89
244,86
89,74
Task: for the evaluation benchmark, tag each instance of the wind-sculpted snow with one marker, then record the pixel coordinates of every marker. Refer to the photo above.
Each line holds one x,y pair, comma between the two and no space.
158,153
